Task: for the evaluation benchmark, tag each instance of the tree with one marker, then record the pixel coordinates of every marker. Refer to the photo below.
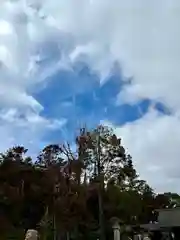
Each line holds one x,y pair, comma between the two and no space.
75,194
19,188
66,198
105,160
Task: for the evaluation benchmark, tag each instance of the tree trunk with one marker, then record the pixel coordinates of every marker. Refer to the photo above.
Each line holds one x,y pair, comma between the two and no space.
100,190
101,215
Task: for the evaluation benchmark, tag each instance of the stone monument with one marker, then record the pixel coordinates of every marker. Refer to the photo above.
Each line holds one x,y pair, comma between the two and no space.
31,234
116,228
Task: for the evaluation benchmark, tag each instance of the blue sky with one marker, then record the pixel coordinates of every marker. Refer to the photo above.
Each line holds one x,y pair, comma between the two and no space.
87,104
66,64
79,98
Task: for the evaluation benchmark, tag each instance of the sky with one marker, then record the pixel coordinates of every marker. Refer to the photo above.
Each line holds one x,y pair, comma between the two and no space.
65,64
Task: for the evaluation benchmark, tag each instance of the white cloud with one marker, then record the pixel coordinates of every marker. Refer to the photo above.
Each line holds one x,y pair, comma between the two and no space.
25,128
20,113
153,141
5,28
142,35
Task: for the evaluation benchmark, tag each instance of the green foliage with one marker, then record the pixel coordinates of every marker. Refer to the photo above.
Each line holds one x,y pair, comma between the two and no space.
60,191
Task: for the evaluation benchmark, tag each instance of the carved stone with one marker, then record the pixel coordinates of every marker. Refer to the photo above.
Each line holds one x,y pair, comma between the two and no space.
116,229
31,234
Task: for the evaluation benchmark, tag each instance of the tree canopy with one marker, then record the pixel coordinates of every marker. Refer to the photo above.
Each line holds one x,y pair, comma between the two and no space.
75,194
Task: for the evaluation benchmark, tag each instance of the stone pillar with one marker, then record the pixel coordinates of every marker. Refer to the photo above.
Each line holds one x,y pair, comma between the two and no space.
31,234
116,229
137,237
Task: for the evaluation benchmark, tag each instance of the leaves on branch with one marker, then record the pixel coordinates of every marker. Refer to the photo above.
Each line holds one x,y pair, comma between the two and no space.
64,185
